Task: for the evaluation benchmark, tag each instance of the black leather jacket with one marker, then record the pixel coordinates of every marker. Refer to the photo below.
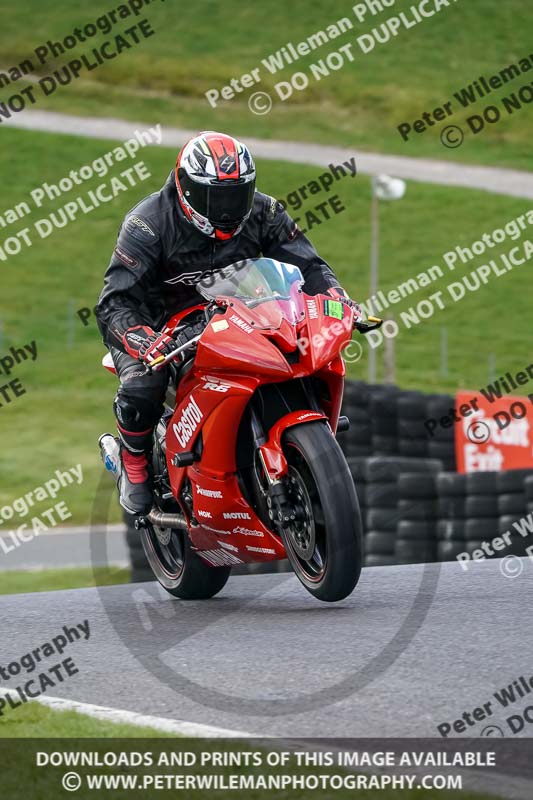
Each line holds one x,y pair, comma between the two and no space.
159,257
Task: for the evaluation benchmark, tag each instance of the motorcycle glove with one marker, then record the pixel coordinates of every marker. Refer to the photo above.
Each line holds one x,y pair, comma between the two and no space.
144,344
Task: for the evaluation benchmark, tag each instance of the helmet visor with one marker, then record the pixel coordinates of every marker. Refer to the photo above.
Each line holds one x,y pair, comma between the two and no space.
222,203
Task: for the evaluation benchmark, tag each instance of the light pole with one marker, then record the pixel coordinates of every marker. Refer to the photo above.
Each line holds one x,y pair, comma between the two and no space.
383,188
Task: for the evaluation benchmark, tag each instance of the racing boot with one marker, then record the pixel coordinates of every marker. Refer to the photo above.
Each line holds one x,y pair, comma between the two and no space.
135,487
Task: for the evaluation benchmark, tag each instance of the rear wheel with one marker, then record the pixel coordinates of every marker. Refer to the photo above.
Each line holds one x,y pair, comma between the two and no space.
173,561
178,568
324,542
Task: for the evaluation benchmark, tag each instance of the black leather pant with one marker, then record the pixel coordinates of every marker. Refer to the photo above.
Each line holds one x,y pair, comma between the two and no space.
139,401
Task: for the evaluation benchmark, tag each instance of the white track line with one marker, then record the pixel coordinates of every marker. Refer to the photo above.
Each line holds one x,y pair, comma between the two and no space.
177,727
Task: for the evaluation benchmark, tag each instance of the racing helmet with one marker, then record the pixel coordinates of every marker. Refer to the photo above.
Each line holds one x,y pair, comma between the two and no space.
215,179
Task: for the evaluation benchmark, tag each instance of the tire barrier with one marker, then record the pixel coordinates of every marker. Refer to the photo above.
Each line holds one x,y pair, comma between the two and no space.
415,507
386,507
388,421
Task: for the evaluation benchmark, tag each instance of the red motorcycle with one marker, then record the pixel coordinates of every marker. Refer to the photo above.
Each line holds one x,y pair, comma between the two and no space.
245,464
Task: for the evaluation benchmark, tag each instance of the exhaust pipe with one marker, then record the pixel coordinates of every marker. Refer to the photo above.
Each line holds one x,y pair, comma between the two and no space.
162,520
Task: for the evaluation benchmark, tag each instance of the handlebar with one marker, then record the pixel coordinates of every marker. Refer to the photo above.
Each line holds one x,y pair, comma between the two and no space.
160,362
363,326
369,324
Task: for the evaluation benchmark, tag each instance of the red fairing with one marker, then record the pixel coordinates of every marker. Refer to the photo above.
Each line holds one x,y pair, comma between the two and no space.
239,351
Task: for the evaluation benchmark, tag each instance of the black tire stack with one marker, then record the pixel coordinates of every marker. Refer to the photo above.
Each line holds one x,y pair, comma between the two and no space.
411,414
442,443
381,512
384,419
451,526
357,441
513,508
528,488
416,533
481,509
382,500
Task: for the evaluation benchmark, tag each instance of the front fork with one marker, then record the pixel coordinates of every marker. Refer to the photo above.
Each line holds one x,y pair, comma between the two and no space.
274,464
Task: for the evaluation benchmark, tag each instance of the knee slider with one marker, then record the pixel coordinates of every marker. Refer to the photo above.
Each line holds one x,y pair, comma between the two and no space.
136,414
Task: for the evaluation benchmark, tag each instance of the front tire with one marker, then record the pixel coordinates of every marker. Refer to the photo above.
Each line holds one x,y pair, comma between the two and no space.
178,568
324,543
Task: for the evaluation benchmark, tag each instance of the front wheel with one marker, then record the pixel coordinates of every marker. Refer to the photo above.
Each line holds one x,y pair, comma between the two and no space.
324,543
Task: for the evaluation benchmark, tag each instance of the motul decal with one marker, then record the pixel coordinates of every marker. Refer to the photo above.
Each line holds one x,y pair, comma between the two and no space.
188,422
236,515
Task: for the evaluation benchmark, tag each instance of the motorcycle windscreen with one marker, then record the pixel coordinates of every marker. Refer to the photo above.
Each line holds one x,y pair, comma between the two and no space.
268,290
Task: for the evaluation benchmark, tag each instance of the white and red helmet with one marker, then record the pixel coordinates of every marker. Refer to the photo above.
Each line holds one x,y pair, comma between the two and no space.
215,179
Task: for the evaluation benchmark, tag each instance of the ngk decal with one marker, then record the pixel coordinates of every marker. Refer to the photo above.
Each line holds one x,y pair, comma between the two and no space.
209,492
312,309
206,514
236,515
241,323
188,422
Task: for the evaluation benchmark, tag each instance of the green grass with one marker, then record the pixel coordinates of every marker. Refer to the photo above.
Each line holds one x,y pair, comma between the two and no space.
53,580
35,720
164,78
78,733
68,400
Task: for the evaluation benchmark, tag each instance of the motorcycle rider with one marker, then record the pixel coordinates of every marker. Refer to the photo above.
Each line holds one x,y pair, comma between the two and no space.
207,215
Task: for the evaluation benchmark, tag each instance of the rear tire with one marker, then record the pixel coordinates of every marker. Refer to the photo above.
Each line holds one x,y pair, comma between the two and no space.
179,569
325,549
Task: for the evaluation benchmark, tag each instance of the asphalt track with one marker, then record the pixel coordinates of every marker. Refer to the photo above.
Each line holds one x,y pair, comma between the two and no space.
413,647
266,657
